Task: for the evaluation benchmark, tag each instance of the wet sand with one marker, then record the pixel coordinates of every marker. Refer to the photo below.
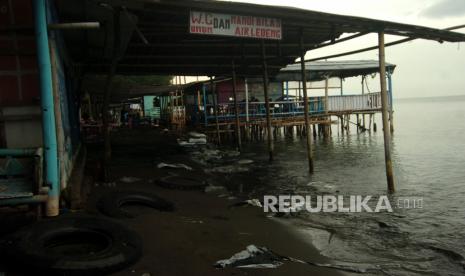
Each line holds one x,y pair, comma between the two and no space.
204,228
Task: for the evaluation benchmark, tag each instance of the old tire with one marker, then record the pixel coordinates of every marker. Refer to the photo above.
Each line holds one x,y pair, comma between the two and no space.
110,204
73,246
181,183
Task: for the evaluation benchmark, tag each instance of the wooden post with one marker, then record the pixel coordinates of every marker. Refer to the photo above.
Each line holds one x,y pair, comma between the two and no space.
375,127
384,104
215,108
107,92
369,122
205,110
58,118
363,93
326,127
348,123
267,102
342,124
306,107
236,107
391,102
106,117
246,88
342,86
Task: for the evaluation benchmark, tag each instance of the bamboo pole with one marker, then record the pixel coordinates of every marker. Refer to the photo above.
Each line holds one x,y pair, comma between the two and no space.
363,93
246,87
267,103
58,117
306,107
236,107
376,47
74,26
391,102
341,86
247,130
107,92
342,124
215,109
205,111
106,116
326,127
384,104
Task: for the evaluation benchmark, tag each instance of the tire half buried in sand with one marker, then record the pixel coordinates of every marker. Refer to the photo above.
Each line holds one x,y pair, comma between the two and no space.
181,183
112,203
74,245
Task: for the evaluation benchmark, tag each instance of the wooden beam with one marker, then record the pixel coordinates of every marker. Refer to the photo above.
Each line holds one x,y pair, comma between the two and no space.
231,44
236,107
384,104
377,47
201,57
306,106
340,40
267,103
182,66
215,106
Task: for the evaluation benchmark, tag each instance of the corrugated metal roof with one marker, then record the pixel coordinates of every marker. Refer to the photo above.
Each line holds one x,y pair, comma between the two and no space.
172,50
318,70
340,65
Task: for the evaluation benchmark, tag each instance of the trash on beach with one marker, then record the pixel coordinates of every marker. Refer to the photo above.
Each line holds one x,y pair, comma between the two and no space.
129,179
185,144
197,135
191,142
252,257
215,189
192,220
362,268
104,184
204,156
198,141
227,169
232,153
174,166
211,153
245,162
262,257
254,202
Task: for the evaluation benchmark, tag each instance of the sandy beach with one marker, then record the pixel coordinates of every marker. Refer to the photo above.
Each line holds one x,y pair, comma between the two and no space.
204,228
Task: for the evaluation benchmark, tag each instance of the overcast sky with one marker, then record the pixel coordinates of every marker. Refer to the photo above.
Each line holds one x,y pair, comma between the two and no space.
425,68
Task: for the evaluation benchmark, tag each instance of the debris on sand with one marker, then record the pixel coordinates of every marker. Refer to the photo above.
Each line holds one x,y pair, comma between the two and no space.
174,166
194,134
232,153
245,162
252,257
192,142
254,202
129,179
215,189
198,141
227,169
262,257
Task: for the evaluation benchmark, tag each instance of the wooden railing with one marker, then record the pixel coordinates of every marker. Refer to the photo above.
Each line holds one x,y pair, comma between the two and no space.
293,108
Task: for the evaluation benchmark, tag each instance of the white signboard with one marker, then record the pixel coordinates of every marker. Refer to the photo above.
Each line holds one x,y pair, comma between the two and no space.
208,23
